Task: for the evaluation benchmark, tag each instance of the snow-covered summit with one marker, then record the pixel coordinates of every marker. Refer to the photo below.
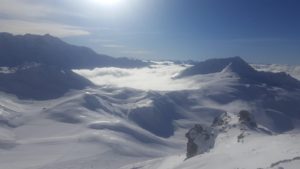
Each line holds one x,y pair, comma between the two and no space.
234,64
242,70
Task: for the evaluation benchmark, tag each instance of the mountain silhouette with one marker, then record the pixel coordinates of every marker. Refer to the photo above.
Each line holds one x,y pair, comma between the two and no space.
48,50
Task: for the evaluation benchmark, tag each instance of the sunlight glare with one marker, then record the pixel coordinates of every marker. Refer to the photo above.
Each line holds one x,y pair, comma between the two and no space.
108,3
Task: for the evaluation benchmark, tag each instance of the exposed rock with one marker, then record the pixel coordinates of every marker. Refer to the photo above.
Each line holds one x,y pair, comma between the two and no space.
240,138
200,140
247,119
221,120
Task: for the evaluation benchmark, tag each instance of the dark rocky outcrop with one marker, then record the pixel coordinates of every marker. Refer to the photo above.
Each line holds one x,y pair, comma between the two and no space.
247,119
221,120
200,140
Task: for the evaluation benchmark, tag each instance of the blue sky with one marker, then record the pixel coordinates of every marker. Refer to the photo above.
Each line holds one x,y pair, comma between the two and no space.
261,31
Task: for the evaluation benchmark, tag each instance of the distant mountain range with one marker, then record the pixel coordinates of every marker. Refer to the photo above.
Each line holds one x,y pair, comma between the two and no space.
22,49
39,67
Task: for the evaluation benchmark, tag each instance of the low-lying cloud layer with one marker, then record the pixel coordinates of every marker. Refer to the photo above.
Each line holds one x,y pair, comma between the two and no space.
156,77
291,70
160,76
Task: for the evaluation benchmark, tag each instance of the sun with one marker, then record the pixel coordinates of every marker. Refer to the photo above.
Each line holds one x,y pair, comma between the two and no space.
108,3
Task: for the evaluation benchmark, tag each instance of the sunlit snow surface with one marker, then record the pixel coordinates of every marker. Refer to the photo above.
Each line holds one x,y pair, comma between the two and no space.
114,125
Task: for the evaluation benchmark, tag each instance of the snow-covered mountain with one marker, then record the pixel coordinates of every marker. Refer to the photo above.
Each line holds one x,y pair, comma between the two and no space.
244,71
41,82
143,118
16,50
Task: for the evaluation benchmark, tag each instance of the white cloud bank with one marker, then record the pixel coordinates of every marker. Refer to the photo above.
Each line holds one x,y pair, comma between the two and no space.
156,77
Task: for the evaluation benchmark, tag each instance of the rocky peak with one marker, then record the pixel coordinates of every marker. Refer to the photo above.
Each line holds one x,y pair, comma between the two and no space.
222,119
200,140
247,119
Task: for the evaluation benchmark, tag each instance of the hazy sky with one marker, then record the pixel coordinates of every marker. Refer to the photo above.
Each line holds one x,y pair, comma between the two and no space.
261,31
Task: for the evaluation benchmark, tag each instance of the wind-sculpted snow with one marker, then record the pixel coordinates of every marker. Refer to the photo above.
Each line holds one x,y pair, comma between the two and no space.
129,129
156,117
137,118
10,118
69,128
258,152
7,139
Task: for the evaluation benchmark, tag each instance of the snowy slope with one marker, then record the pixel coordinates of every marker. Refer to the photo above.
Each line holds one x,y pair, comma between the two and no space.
66,133
257,151
128,122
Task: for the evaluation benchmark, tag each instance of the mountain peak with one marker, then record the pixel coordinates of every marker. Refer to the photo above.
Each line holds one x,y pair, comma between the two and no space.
234,64
243,70
46,38
28,35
